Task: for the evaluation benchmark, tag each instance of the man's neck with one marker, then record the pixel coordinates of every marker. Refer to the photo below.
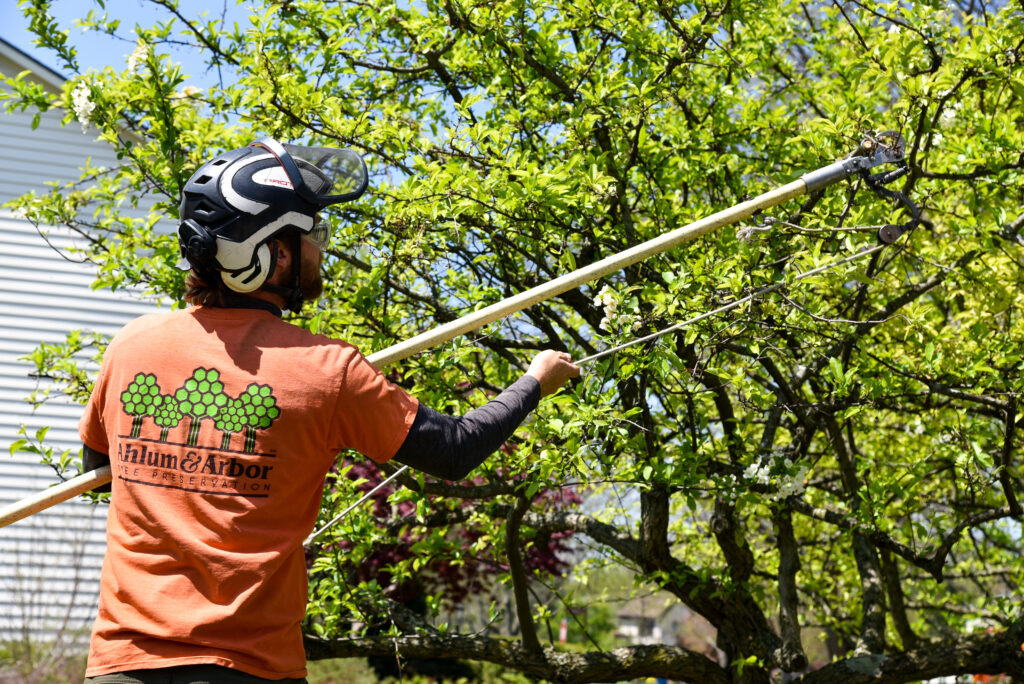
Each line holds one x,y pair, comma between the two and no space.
264,301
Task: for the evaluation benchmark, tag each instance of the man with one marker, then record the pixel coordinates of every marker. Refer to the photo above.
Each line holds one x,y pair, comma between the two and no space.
221,422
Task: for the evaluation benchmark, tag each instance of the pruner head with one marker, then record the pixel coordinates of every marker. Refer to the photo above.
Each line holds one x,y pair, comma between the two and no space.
876,149
886,147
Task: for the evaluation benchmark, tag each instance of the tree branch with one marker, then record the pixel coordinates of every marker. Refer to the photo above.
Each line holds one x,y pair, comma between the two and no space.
519,580
897,604
791,654
635,662
872,631
1005,480
988,653
884,313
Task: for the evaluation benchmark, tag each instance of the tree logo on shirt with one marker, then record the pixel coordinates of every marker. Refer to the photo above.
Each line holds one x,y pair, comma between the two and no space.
201,397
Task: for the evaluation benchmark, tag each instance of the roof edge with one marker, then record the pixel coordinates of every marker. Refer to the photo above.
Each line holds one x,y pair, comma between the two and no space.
48,76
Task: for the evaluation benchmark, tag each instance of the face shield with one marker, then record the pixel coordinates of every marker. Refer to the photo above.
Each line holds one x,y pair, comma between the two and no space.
320,175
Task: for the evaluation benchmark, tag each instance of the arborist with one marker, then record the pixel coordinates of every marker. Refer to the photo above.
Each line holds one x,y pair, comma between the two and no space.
221,421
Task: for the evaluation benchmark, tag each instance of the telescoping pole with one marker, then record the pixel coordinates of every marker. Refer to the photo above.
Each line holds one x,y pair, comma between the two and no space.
876,153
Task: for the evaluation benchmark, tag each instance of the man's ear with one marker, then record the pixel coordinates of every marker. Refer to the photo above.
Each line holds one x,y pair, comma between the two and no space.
278,261
282,254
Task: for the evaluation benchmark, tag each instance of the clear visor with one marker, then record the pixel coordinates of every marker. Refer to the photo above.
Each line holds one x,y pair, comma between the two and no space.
320,175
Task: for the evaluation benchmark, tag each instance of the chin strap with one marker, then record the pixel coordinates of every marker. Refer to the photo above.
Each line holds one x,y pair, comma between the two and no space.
292,296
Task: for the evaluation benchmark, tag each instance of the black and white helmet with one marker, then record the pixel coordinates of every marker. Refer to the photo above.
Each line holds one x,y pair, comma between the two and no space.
238,201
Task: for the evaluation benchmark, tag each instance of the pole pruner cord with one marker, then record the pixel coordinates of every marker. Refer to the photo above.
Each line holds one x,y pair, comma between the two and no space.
886,147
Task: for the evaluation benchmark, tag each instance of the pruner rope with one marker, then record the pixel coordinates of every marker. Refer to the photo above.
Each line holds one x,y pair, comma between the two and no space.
640,340
345,512
731,305
887,147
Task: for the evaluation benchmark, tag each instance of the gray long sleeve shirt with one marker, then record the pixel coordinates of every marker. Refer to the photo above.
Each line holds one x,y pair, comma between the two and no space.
450,447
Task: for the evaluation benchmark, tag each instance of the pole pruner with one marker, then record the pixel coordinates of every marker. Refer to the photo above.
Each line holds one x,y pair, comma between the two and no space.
876,149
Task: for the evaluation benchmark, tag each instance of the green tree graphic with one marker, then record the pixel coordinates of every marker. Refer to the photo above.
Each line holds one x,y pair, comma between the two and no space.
230,419
259,409
167,414
202,396
139,399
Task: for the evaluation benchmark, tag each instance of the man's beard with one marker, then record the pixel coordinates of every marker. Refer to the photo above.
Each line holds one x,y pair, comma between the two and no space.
311,283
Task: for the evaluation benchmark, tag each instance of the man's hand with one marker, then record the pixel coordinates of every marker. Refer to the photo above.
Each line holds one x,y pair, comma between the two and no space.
552,369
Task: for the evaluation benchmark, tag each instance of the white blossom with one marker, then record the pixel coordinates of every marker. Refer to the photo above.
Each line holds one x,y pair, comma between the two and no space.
609,301
949,113
792,485
786,481
759,472
606,297
82,105
186,93
137,57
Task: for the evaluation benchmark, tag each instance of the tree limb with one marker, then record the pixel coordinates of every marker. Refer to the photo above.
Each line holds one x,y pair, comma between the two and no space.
897,604
519,580
989,653
1005,480
792,651
635,662
872,631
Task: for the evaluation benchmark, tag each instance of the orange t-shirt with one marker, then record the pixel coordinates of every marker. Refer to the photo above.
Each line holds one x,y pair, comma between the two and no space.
221,425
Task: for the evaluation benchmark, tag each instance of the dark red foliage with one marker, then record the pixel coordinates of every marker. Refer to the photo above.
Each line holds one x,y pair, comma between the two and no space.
455,581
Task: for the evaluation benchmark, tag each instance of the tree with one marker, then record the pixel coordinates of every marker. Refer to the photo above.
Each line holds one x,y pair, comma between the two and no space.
140,399
167,414
841,454
201,397
258,408
230,419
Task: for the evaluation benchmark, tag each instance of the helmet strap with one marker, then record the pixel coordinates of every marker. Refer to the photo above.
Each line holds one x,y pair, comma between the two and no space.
292,295
295,302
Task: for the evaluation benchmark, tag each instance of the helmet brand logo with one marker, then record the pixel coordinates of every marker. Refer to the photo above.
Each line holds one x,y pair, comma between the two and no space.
274,176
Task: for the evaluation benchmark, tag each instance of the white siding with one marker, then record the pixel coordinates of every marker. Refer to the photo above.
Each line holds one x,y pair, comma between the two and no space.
49,562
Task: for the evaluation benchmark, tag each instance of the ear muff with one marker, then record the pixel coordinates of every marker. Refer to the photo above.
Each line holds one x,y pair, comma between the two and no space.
197,245
251,278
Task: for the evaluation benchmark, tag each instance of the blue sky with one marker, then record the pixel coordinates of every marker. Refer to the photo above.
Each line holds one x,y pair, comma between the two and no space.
98,51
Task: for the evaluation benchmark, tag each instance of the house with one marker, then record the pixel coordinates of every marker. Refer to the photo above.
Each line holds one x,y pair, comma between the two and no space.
49,562
662,619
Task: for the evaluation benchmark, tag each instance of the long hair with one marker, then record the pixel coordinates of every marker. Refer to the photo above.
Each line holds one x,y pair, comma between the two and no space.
200,292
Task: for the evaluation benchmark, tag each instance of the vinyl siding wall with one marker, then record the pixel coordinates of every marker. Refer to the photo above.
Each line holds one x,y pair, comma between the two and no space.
49,562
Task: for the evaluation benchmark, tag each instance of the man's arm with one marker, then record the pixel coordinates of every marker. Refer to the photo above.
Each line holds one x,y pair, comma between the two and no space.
91,460
450,447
